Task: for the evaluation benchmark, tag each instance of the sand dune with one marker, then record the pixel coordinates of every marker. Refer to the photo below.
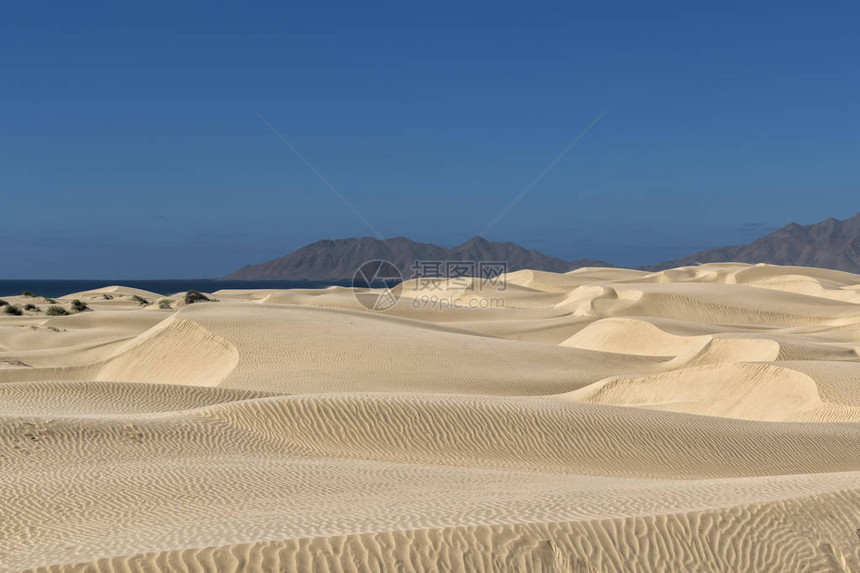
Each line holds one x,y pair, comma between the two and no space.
695,419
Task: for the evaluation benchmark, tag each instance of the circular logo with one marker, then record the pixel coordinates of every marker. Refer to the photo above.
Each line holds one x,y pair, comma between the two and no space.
376,285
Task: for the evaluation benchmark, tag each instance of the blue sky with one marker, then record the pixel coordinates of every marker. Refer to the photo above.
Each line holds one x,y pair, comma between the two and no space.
130,147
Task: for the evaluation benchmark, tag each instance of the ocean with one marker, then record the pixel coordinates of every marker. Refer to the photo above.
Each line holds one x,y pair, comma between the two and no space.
57,288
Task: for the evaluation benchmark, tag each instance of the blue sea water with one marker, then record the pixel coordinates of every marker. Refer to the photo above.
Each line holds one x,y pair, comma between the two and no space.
57,288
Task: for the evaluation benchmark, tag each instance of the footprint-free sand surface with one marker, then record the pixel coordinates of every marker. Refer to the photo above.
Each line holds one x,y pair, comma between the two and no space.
697,419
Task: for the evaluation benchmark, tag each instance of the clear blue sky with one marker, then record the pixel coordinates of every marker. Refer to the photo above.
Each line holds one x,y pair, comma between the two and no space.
130,147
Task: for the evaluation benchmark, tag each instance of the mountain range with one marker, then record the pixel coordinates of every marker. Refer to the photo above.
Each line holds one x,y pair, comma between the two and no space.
830,244
335,260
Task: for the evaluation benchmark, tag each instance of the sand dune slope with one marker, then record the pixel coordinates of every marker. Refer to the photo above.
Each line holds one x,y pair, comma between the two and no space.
696,419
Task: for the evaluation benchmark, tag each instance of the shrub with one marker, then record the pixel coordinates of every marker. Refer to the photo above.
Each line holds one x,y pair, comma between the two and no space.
3,302
29,306
79,306
49,300
28,294
193,296
12,309
140,300
107,297
165,304
56,311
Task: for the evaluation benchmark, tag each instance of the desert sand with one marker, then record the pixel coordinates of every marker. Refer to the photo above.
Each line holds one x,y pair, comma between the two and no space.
702,418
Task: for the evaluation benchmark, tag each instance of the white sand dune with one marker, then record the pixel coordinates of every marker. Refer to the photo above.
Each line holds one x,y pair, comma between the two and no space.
697,419
123,293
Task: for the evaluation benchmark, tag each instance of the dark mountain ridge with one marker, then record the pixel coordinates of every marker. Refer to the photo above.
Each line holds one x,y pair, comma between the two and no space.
830,244
338,259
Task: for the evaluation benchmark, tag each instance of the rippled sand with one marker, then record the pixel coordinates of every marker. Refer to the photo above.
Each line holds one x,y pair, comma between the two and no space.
697,419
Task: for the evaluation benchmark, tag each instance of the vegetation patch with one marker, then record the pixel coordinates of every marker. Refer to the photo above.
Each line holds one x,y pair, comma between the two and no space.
139,300
3,302
28,294
194,296
12,309
30,306
79,306
56,311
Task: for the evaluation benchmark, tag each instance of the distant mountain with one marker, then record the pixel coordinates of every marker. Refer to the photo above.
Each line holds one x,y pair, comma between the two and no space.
831,244
339,259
